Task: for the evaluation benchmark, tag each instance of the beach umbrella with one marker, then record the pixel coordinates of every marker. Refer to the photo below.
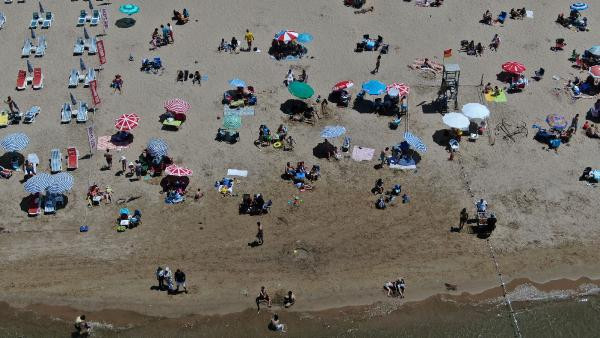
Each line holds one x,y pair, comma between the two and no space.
333,131
305,38
236,83
556,121
232,122
41,8
415,142
579,6
85,33
393,92
175,170
177,106
82,64
33,36
14,142
476,111
595,71
343,85
73,100
129,9
37,183
29,67
595,50
456,121
402,88
286,36
157,147
127,122
514,67
374,87
301,90
60,183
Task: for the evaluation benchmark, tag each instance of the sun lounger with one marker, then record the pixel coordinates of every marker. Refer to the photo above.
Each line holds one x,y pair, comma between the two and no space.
72,158
26,51
89,77
38,78
55,161
82,112
3,119
79,47
22,80
2,20
31,114
34,207
50,205
82,18
73,78
8,1
48,20
34,20
95,17
92,48
65,113
41,47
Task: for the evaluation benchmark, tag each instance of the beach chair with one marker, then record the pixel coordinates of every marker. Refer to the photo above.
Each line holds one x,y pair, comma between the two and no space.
34,207
3,119
92,47
72,158
48,20
501,17
79,46
454,146
38,78
50,204
41,47
82,112
55,161
73,78
95,17
31,114
8,1
82,18
89,77
2,20
65,113
34,20
22,80
26,51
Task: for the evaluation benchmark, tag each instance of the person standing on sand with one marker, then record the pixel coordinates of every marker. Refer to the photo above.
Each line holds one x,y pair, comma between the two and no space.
377,64
108,158
170,28
249,38
574,123
259,234
464,217
123,163
160,277
12,105
180,281
263,296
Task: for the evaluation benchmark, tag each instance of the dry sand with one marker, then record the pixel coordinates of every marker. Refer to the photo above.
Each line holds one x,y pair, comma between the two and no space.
548,224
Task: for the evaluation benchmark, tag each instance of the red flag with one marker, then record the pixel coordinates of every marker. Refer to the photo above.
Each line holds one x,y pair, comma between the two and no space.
94,89
101,51
448,53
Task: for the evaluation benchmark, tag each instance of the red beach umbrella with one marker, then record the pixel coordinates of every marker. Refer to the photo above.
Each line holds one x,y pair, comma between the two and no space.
177,106
175,170
343,85
514,67
127,122
286,36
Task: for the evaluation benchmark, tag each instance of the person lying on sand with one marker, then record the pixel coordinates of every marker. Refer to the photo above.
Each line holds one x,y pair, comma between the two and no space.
431,65
365,10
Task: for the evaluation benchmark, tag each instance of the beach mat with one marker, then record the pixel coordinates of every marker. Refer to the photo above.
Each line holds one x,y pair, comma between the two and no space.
498,99
529,14
244,111
105,143
237,172
362,154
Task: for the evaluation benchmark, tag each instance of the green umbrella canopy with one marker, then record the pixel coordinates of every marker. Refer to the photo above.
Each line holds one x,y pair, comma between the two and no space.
301,90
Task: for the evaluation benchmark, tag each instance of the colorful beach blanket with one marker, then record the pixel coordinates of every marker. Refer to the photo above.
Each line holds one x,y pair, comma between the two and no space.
362,154
244,111
498,99
105,143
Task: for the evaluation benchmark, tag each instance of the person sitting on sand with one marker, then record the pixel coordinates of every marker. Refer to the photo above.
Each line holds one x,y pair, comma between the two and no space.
378,189
400,286
289,300
275,325
495,43
481,205
487,88
315,172
497,91
390,287
487,18
479,49
380,203
592,131
263,296
82,327
289,170
234,45
282,132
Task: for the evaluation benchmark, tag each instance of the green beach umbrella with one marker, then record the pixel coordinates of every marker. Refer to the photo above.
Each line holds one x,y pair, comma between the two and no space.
301,90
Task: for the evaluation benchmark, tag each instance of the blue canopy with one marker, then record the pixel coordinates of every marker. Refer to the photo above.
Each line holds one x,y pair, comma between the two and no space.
374,87
594,50
37,183
415,142
157,147
333,131
305,38
579,6
235,83
15,142
129,9
60,183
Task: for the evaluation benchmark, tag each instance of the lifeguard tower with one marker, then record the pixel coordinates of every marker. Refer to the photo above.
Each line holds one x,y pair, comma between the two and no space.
449,88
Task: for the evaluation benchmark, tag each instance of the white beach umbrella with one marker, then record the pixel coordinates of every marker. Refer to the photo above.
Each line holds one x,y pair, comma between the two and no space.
456,120
476,111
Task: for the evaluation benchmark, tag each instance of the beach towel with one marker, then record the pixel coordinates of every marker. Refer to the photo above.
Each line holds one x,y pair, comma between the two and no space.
529,14
287,58
362,154
244,111
237,172
498,99
105,143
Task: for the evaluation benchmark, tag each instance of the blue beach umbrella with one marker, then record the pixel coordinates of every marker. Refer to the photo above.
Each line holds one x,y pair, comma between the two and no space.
594,50
305,38
415,142
129,9
15,142
374,87
579,6
157,147
38,183
235,83
333,131
60,183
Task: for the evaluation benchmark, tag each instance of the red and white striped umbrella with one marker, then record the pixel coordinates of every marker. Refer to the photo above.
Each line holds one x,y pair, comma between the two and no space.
175,170
177,106
343,85
127,122
286,36
402,88
514,67
595,71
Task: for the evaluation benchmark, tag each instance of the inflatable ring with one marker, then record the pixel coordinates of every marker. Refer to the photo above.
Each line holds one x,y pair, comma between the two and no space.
277,145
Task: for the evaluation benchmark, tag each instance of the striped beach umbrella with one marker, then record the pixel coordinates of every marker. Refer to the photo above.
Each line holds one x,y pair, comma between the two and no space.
157,147
177,106
514,67
343,85
579,6
37,183
60,183
127,122
333,131
175,170
286,36
415,142
15,142
402,88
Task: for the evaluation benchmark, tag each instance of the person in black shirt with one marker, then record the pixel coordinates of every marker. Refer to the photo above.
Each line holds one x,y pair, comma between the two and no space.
180,280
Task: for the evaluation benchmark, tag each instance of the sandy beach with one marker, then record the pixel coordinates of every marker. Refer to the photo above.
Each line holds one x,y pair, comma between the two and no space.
335,249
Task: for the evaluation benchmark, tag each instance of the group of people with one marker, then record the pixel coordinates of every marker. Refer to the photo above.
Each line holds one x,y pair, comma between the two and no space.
233,46
255,205
390,196
395,288
163,37
185,75
263,297
299,173
281,139
290,77
518,14
169,281
280,49
181,17
577,87
240,97
573,20
471,48
95,195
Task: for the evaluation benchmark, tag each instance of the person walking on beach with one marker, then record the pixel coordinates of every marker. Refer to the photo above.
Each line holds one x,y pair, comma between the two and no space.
123,163
138,170
574,123
377,64
12,105
160,277
495,43
170,28
197,78
464,217
259,234
263,296
165,33
108,158
180,281
249,38
383,156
